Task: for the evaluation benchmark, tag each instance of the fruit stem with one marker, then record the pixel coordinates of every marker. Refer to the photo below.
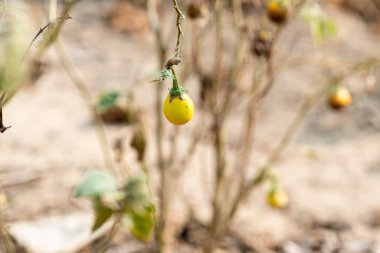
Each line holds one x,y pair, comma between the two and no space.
176,90
175,80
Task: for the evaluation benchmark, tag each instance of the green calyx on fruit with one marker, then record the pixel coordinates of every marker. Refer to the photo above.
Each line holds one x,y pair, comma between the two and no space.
283,2
176,91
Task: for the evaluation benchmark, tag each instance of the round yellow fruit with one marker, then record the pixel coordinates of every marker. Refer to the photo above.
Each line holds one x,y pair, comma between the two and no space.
340,97
277,199
178,111
277,11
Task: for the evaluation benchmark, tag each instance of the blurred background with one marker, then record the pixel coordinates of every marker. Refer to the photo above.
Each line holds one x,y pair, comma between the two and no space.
268,119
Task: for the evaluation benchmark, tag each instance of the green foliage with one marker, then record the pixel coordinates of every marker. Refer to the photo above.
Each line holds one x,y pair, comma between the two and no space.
13,72
138,214
283,2
321,27
137,193
133,202
165,74
107,100
140,223
95,184
102,213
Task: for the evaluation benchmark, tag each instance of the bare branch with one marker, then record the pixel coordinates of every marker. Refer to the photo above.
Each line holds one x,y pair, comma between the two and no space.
40,32
2,127
86,95
179,28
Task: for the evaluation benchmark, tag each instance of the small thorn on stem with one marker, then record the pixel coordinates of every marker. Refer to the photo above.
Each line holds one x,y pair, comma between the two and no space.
3,128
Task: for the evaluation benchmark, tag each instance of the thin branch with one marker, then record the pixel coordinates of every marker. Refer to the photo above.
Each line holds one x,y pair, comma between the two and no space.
180,16
104,245
238,60
182,164
291,130
5,238
164,191
86,96
41,30
305,108
219,43
2,127
270,68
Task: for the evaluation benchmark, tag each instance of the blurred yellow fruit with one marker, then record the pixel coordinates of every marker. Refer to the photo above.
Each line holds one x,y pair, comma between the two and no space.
277,11
340,97
277,198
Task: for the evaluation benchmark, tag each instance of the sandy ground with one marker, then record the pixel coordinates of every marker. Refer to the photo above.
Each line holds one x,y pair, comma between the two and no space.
331,169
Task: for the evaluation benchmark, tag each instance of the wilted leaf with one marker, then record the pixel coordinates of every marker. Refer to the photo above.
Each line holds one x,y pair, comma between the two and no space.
102,213
140,224
95,184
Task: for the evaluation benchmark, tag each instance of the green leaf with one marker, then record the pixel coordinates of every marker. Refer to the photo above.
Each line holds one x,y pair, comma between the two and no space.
166,74
138,208
140,224
95,184
102,213
107,99
137,193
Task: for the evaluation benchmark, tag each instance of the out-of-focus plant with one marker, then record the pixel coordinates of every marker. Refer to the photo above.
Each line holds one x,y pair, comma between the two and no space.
14,27
223,89
131,203
321,26
15,65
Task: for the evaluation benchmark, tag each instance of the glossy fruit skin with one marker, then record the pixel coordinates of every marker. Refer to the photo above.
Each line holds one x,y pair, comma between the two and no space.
277,12
339,98
277,199
178,111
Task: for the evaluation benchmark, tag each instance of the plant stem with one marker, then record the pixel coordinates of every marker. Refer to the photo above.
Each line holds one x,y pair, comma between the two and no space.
214,229
113,231
219,43
179,28
86,96
175,80
5,238
289,133
65,15
164,192
4,8
2,127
